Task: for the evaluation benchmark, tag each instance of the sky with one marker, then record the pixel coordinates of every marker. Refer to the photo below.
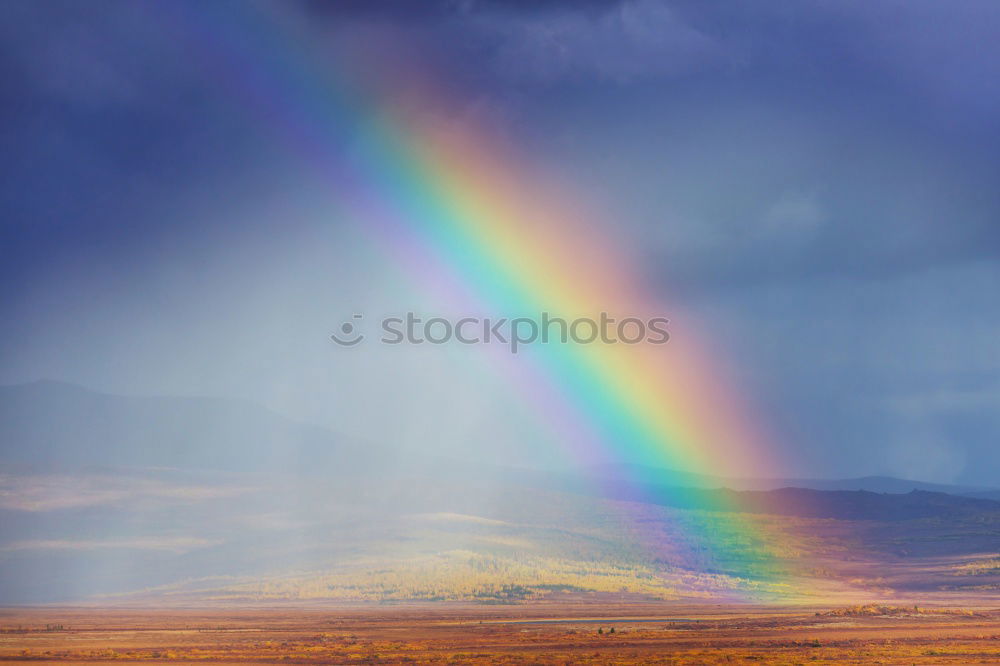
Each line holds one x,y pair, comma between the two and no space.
814,182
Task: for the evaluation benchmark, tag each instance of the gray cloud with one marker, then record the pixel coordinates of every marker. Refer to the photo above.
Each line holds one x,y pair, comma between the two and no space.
631,41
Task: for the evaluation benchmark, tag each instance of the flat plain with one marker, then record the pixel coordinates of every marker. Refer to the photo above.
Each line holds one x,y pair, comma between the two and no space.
569,632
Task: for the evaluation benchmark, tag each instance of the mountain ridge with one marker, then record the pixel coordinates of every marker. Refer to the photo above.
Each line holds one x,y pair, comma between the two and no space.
49,422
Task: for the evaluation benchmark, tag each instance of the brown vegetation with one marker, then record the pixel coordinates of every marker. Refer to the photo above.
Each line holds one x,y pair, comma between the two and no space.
882,610
547,633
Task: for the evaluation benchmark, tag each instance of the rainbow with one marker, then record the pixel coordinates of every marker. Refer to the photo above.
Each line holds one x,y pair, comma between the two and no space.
474,223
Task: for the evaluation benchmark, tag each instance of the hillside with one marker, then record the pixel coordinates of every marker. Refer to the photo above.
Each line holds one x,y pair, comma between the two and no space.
198,498
841,504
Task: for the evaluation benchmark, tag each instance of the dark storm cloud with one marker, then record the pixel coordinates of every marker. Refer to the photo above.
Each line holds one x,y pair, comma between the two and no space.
819,179
405,9
806,137
111,120
800,138
778,142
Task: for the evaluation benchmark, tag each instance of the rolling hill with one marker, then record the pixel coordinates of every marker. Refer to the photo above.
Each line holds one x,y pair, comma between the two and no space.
195,499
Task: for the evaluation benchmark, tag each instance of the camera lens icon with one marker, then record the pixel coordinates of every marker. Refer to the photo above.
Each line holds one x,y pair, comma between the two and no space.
349,335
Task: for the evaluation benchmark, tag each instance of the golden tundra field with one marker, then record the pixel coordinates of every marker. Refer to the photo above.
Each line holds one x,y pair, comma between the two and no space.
548,633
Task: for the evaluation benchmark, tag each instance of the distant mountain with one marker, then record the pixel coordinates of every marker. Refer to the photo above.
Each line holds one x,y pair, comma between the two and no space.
839,504
51,423
655,477
108,494
293,538
987,494
845,499
875,484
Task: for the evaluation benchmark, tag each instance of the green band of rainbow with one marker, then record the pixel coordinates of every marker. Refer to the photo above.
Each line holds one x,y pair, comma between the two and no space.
472,218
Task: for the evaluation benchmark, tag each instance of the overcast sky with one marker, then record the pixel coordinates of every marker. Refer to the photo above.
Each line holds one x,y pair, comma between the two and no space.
817,182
